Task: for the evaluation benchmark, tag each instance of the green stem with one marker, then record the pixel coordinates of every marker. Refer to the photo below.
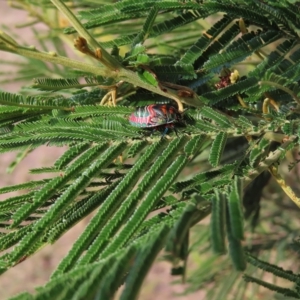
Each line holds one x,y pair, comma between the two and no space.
57,59
122,74
272,158
7,39
106,57
117,68
133,78
281,87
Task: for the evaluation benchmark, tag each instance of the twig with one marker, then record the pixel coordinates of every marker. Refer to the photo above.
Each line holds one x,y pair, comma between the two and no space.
281,87
268,161
287,189
107,59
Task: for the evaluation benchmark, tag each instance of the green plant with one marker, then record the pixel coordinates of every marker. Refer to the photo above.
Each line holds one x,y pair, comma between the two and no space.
239,80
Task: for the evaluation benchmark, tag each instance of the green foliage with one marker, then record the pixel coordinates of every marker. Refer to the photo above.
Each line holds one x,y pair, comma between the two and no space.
218,223
235,82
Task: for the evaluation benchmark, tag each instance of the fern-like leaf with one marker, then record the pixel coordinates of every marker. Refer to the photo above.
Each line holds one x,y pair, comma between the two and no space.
217,149
218,223
142,264
235,210
284,291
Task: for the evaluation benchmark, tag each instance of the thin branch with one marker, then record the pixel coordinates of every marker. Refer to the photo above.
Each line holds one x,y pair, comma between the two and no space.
268,161
287,189
57,59
108,60
123,74
281,87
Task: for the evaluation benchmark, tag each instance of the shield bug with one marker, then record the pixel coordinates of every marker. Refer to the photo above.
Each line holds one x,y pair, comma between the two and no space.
156,116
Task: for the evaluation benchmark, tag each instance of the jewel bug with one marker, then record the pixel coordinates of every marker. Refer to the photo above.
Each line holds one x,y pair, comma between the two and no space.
156,116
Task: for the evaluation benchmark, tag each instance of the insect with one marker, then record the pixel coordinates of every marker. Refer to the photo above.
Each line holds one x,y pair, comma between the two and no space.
156,116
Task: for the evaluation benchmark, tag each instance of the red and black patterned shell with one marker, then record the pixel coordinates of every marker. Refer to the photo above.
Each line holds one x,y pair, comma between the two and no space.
155,115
